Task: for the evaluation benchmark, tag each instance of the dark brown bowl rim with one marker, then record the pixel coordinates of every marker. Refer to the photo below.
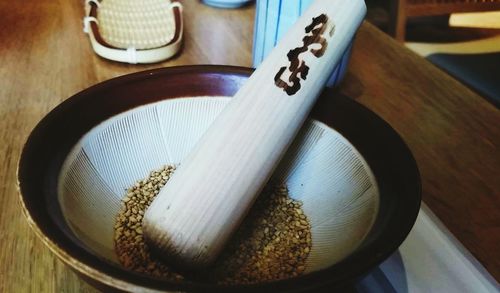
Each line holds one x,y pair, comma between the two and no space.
402,167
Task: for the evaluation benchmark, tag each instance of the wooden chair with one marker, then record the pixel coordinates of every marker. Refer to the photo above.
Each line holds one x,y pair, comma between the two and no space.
401,10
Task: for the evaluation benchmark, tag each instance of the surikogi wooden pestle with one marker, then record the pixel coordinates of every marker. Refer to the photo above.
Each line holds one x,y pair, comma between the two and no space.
195,214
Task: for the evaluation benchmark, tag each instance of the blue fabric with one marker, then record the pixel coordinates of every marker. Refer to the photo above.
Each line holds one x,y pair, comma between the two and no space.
480,72
273,18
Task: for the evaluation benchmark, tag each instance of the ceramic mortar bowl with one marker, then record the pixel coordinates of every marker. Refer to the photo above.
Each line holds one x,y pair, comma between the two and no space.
358,182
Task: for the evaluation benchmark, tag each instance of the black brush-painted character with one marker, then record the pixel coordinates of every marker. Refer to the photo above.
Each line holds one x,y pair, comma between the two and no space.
298,68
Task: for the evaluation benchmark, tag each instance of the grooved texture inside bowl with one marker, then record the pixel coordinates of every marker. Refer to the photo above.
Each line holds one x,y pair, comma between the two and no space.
321,168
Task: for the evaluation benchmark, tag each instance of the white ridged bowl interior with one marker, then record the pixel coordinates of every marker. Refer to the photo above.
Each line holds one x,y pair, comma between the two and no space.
321,168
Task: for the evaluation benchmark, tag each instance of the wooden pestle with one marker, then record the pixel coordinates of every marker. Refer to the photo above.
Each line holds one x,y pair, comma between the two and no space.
211,191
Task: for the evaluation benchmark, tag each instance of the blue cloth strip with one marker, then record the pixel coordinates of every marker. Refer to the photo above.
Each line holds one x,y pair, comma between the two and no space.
273,18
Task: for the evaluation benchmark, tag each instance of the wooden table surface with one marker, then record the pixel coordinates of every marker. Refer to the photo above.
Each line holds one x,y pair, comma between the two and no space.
453,133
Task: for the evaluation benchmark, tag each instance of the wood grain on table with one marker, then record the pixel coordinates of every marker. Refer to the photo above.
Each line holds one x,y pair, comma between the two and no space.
45,58
453,134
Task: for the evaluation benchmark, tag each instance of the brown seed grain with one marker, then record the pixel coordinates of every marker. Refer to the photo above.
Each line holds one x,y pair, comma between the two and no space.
273,242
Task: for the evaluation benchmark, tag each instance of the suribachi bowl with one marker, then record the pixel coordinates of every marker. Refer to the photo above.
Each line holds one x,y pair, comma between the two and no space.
357,179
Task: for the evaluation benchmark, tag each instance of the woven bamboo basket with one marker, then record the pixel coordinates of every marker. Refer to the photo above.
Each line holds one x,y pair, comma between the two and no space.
134,32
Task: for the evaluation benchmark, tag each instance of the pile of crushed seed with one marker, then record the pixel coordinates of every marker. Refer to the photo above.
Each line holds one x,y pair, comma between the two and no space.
130,247
272,243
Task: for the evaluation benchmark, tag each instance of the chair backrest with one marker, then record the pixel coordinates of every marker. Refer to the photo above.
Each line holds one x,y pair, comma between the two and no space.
403,9
437,7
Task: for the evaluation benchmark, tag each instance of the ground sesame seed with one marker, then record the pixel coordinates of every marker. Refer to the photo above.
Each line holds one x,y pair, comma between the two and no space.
272,243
